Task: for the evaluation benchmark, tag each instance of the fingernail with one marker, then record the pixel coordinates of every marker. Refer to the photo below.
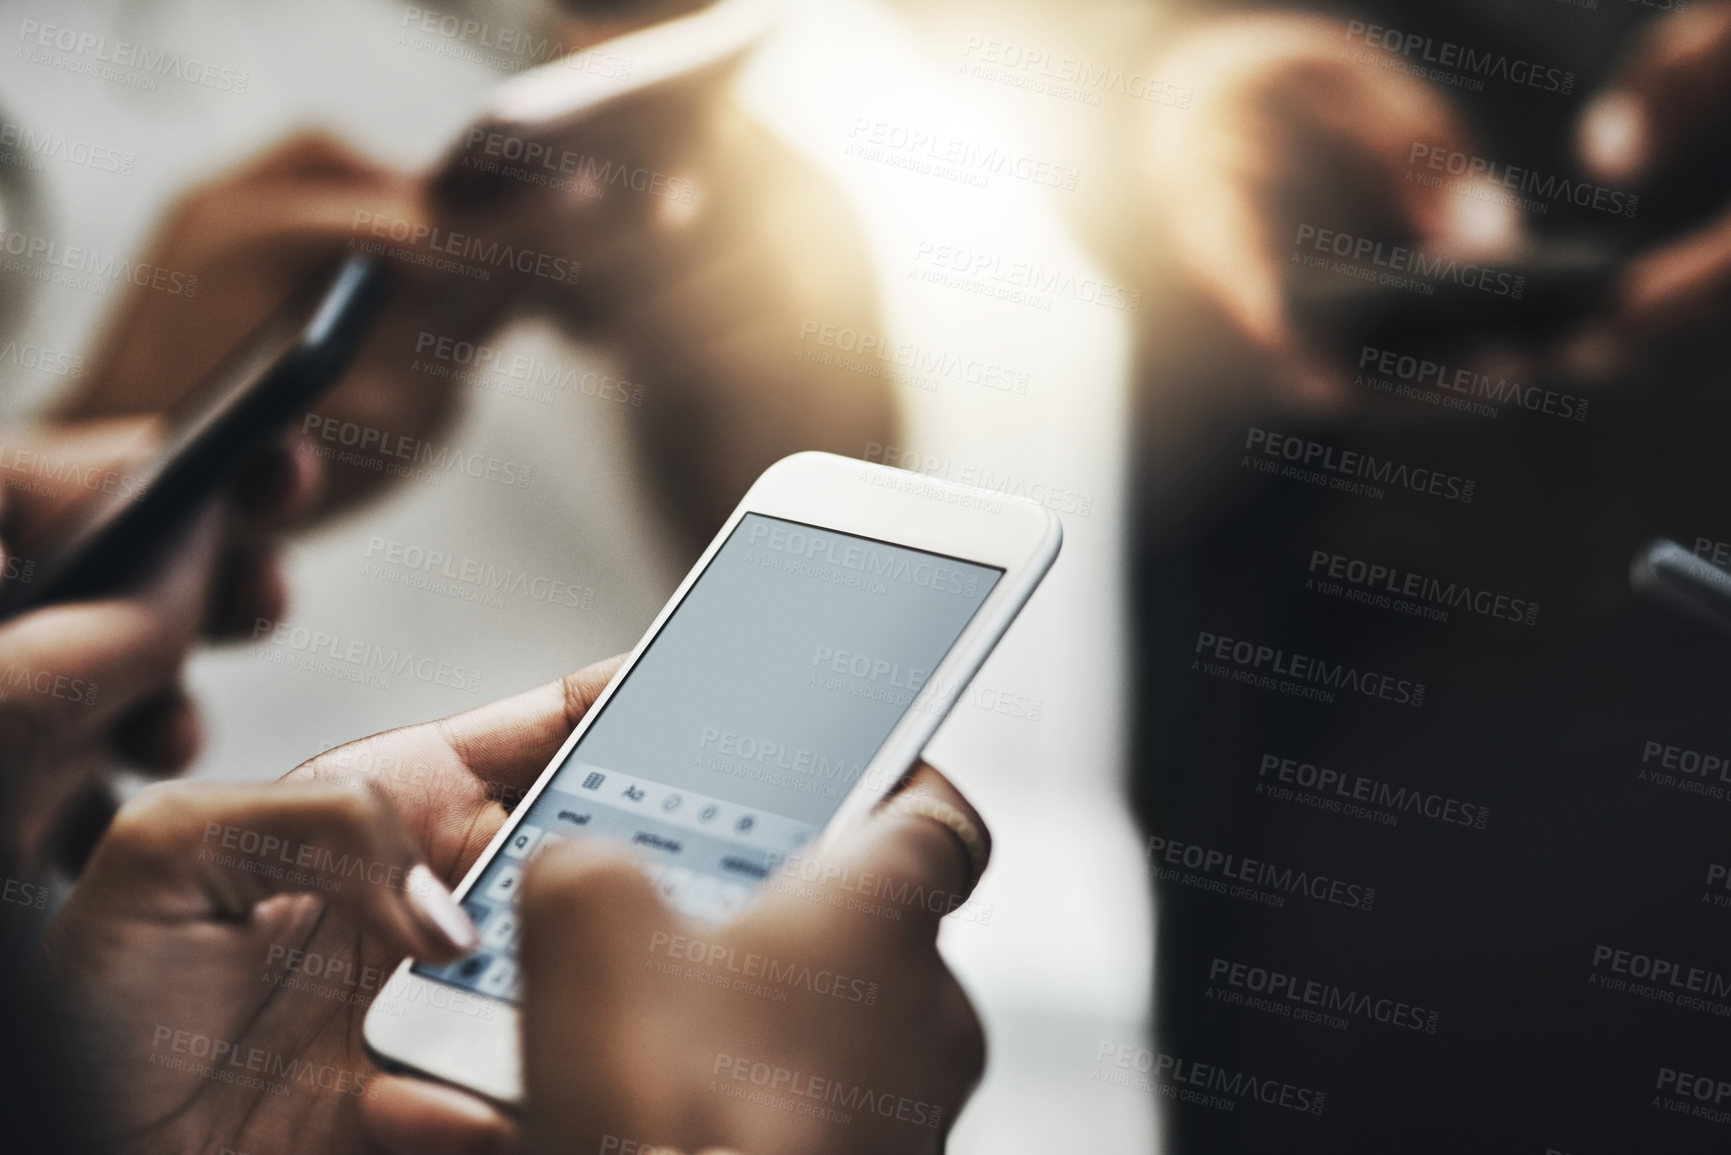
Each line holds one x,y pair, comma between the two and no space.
439,910
1614,136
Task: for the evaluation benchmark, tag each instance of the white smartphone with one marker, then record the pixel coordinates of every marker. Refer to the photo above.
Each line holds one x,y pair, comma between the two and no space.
525,113
792,679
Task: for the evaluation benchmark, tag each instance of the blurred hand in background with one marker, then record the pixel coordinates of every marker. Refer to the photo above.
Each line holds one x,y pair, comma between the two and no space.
706,245
87,685
687,242
252,238
1663,126
1286,131
1291,134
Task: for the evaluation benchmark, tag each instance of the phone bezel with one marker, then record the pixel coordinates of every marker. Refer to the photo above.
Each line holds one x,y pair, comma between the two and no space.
819,489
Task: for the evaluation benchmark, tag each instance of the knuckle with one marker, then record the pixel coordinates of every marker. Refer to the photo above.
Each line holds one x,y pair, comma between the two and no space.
152,819
963,1030
158,801
315,144
331,766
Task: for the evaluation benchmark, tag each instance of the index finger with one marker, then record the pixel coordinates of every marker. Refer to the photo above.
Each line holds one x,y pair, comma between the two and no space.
206,850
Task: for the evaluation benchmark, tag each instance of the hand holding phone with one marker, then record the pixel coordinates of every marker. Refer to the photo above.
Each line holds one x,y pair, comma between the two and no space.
88,685
706,245
1540,294
123,528
327,868
280,995
830,995
784,690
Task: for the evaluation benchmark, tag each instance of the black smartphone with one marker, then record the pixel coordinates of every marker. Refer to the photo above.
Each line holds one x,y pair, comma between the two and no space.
252,396
1552,285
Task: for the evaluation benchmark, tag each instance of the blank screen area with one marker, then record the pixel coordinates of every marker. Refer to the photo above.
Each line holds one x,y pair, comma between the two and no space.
742,727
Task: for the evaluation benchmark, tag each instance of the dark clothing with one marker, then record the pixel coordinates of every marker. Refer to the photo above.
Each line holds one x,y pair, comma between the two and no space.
1478,900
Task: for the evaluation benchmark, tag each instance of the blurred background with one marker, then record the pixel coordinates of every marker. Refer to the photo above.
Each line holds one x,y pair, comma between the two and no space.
956,183
1360,347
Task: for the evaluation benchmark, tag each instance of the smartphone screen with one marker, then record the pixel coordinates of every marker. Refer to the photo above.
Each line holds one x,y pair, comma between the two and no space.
745,722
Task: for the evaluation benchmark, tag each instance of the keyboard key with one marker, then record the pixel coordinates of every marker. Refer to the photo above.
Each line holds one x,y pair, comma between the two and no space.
730,897
467,970
501,932
673,882
522,841
504,885
500,981
700,899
